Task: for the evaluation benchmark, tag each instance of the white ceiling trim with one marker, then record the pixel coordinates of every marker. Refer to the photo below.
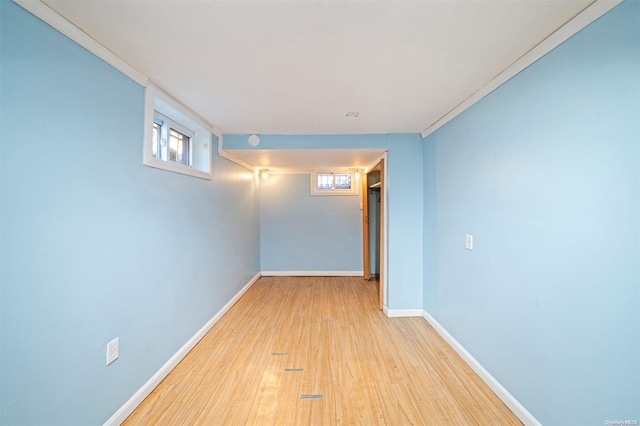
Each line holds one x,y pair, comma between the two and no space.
587,16
57,21
304,161
229,156
303,171
375,162
64,26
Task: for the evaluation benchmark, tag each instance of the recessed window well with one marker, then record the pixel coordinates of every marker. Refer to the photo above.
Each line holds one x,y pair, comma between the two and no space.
176,139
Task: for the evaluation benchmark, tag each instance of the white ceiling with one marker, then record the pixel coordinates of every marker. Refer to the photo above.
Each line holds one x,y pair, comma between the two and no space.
297,67
304,160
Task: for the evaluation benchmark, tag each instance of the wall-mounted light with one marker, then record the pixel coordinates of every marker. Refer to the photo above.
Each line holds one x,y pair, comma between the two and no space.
264,173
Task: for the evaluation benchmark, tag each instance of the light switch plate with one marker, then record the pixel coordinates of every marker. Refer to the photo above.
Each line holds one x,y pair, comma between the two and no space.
469,242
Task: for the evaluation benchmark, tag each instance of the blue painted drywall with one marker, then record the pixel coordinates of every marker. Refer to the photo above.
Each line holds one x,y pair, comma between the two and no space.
429,223
380,141
304,232
545,173
404,222
95,245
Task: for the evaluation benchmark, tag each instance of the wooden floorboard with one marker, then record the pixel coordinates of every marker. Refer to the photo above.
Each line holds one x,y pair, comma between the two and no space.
368,369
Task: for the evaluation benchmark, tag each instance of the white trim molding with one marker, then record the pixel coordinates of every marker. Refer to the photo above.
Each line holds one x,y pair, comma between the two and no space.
402,313
137,398
52,18
312,273
228,156
351,171
384,256
518,409
61,24
584,18
382,156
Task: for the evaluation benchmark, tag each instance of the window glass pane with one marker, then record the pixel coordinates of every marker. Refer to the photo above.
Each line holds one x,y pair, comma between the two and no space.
178,147
156,139
325,181
343,180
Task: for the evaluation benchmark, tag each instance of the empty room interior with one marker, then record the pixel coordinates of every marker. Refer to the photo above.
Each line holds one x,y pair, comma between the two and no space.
320,212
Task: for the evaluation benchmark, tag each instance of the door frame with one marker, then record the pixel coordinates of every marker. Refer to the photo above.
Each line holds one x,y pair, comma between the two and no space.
366,247
382,162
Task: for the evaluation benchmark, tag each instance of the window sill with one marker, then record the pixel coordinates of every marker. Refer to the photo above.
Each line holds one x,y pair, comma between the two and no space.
176,168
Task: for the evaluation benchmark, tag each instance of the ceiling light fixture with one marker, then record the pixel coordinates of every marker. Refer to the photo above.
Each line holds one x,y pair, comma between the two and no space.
353,114
356,170
254,140
264,173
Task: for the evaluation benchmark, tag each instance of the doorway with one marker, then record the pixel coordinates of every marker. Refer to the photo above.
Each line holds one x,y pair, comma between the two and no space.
373,220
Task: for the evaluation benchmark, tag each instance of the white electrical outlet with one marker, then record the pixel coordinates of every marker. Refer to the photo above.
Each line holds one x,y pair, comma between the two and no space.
469,242
112,350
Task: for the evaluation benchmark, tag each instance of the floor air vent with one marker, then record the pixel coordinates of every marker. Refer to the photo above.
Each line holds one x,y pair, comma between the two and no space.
310,396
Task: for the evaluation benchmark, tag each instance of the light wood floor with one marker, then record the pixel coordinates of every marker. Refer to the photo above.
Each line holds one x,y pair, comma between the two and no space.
369,369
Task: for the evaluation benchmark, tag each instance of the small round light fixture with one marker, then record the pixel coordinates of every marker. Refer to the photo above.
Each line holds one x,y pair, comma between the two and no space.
264,173
254,140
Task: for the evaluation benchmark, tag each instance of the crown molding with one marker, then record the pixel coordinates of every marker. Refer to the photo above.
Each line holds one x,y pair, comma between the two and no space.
58,22
584,18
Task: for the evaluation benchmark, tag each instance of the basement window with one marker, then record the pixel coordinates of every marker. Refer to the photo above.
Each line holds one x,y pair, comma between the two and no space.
171,141
176,139
334,183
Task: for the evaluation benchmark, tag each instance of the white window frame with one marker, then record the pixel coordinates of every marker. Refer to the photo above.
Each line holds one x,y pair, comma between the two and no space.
167,125
355,183
189,123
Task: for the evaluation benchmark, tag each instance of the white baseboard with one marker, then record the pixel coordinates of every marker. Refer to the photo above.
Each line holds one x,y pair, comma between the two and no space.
137,398
312,273
525,416
397,313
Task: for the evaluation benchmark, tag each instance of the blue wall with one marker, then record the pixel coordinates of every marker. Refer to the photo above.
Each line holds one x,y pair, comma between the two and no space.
429,236
304,232
380,141
94,244
545,173
404,221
